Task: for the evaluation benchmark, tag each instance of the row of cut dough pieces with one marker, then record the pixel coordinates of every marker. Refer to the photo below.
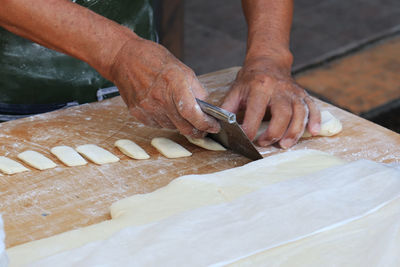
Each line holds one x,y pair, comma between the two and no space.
330,125
65,154
98,155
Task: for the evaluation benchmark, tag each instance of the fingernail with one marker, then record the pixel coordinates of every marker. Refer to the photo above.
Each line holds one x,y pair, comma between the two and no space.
264,143
214,129
197,133
286,143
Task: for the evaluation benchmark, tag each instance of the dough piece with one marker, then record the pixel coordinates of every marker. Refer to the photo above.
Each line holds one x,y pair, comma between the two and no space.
68,156
9,166
97,154
169,148
330,125
36,160
131,149
332,215
206,143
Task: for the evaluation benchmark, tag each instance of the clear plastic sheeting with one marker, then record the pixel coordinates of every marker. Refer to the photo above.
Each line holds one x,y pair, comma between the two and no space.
345,215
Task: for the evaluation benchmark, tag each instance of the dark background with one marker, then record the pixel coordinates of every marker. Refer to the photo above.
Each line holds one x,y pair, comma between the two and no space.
211,35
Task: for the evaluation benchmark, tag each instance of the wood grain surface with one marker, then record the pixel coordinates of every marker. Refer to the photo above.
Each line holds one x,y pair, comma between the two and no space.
38,204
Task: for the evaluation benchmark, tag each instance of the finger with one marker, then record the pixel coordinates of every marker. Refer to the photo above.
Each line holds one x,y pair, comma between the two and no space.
187,107
201,93
232,100
314,119
143,117
256,106
164,121
281,114
184,127
297,124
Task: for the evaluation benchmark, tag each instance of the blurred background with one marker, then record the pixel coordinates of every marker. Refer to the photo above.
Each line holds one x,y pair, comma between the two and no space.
347,52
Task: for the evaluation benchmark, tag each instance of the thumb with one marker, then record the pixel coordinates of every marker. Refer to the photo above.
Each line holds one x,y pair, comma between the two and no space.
198,89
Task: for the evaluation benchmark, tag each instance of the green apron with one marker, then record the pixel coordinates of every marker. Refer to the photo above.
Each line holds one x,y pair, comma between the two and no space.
34,79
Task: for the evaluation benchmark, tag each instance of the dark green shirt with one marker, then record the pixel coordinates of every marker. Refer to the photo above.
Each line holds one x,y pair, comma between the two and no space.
33,75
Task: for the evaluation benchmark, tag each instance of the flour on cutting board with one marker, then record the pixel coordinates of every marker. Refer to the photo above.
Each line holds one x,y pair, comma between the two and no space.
68,156
27,208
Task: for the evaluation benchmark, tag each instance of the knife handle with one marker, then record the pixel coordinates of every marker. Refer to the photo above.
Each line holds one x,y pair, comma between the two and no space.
216,112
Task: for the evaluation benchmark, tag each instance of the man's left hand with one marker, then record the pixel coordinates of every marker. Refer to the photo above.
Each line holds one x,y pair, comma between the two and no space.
264,85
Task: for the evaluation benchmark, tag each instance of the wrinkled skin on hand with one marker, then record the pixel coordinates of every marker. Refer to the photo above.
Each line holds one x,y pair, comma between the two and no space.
159,90
263,86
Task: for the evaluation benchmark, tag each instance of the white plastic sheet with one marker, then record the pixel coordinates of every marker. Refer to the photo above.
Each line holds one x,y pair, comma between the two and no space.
348,214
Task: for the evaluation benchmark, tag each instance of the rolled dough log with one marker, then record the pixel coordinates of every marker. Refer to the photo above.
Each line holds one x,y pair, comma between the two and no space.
97,154
206,143
169,148
36,160
131,149
9,166
244,220
68,156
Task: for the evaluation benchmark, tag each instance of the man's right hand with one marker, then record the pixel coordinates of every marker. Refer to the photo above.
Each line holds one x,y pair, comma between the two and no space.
159,90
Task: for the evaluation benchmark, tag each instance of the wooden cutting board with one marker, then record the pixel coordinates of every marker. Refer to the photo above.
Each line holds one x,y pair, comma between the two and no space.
38,204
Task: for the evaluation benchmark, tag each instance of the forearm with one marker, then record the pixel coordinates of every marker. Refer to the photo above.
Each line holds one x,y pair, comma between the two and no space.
66,27
269,23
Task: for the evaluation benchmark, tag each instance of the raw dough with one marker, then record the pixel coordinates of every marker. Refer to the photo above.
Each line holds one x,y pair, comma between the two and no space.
131,149
36,160
346,214
97,154
206,143
9,166
68,156
169,148
330,125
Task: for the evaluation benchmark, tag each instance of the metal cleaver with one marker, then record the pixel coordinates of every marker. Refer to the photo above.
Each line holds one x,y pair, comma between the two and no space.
231,135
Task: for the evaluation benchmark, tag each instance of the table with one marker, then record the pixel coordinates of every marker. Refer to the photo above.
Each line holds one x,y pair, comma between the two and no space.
38,204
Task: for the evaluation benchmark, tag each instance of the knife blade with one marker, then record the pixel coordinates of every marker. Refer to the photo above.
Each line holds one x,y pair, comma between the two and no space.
231,135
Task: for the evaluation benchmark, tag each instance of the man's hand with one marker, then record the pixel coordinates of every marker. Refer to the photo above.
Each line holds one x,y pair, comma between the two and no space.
264,85
159,90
